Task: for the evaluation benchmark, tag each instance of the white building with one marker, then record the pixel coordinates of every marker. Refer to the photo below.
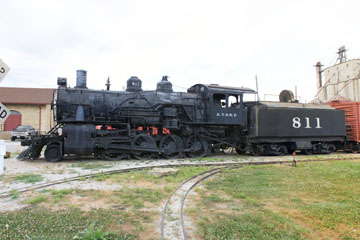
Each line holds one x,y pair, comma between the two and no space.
339,82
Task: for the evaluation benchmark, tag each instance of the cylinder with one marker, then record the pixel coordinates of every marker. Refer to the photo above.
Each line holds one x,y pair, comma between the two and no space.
81,79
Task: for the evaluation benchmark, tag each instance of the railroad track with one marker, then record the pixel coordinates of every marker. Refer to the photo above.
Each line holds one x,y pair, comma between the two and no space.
172,223
119,171
93,175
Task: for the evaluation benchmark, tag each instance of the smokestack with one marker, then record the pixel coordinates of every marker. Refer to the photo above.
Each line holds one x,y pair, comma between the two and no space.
81,79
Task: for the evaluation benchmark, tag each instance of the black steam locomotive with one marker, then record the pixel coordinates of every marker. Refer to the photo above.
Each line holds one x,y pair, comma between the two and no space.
141,124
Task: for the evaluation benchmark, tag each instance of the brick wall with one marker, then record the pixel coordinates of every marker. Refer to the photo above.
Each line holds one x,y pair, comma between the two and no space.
30,115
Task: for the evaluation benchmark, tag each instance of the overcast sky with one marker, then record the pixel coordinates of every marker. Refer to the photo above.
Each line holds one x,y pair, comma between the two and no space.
196,41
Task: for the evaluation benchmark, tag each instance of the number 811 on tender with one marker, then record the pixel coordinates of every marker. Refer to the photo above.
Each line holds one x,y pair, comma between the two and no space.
297,122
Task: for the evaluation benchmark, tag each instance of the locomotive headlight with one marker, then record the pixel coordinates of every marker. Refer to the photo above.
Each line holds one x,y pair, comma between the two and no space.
61,81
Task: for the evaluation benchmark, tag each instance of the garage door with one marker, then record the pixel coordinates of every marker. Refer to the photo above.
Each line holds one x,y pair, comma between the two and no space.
12,121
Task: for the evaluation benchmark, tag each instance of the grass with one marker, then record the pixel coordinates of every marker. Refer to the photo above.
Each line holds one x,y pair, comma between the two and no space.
137,197
14,194
91,166
36,200
92,232
29,178
102,177
223,158
14,154
167,181
38,223
131,212
263,225
311,201
59,194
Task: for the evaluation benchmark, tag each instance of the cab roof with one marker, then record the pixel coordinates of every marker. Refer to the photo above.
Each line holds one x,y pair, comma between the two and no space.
216,88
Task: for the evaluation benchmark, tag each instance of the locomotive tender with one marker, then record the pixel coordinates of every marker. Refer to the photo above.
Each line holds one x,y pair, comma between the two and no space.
116,125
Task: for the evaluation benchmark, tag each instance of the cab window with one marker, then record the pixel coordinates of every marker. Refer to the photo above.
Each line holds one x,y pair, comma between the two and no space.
233,101
220,100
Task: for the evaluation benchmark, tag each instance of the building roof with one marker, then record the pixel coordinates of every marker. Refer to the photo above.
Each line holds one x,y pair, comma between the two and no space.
11,95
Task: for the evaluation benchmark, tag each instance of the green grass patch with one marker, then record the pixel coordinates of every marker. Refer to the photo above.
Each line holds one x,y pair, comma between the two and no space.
29,178
14,154
282,202
59,194
136,197
102,177
36,200
212,199
96,233
14,194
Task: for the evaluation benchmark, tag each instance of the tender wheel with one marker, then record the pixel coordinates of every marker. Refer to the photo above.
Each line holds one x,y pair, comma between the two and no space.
332,148
307,151
255,150
143,141
172,145
198,145
282,150
329,148
13,138
53,153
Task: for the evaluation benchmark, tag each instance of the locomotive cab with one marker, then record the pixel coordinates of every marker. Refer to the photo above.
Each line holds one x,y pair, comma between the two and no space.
224,104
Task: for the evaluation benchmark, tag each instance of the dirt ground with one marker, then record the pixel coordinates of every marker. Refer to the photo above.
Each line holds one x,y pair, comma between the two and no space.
64,169
71,167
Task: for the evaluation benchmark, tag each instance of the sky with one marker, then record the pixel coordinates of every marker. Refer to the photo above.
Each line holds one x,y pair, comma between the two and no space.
192,41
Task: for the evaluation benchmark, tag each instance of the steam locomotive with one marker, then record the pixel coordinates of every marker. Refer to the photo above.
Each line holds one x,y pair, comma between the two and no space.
139,124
